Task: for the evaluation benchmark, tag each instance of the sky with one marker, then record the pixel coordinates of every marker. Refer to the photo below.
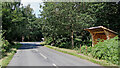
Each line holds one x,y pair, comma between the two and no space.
33,4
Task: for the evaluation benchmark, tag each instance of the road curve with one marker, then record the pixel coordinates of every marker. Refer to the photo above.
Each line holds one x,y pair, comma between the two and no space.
33,54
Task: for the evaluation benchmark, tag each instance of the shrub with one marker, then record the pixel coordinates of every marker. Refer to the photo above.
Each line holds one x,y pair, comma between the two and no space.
62,45
83,49
107,50
5,47
48,41
89,49
65,45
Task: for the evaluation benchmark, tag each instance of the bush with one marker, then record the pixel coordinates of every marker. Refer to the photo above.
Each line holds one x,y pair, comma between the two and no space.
62,45
48,41
65,45
83,49
107,50
5,47
89,49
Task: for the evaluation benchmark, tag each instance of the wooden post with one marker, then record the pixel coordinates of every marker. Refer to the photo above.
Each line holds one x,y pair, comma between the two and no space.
107,34
80,48
93,41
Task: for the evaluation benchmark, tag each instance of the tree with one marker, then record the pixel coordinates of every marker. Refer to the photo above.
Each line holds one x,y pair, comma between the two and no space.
17,19
70,19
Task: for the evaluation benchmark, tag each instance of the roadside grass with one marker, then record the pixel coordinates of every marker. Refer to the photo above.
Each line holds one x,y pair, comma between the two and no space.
42,43
74,53
6,59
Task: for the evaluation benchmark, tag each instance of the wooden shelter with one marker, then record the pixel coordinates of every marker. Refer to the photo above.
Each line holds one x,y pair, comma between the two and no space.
100,32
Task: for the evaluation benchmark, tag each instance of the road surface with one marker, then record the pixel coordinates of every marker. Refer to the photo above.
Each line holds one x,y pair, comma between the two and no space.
33,54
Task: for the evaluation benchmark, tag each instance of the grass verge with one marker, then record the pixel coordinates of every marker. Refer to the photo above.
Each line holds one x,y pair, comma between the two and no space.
6,59
42,43
74,53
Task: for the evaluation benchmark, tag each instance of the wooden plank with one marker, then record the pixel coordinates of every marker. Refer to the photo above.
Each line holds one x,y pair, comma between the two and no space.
93,42
107,34
99,32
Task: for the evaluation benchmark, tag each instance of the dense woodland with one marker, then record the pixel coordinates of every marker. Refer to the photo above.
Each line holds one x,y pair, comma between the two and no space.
62,24
19,21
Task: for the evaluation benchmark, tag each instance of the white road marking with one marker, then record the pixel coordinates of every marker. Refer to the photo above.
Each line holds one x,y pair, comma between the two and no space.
54,64
43,56
36,50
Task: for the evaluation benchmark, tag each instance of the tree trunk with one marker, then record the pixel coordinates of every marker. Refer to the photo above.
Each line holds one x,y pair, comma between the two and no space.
72,37
22,38
72,40
53,41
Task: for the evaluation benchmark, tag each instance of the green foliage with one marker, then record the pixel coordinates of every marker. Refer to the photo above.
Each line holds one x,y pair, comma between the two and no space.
60,19
107,50
48,40
62,45
4,47
68,51
83,49
89,49
19,22
8,57
65,45
6,61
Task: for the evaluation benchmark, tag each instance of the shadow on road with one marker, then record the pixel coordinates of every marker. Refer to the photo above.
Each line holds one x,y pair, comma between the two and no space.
29,46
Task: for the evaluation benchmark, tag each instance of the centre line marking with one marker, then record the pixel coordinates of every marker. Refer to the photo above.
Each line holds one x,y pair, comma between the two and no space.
54,64
43,56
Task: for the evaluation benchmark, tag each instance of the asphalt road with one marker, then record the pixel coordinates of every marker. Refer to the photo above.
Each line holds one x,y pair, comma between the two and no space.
33,54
